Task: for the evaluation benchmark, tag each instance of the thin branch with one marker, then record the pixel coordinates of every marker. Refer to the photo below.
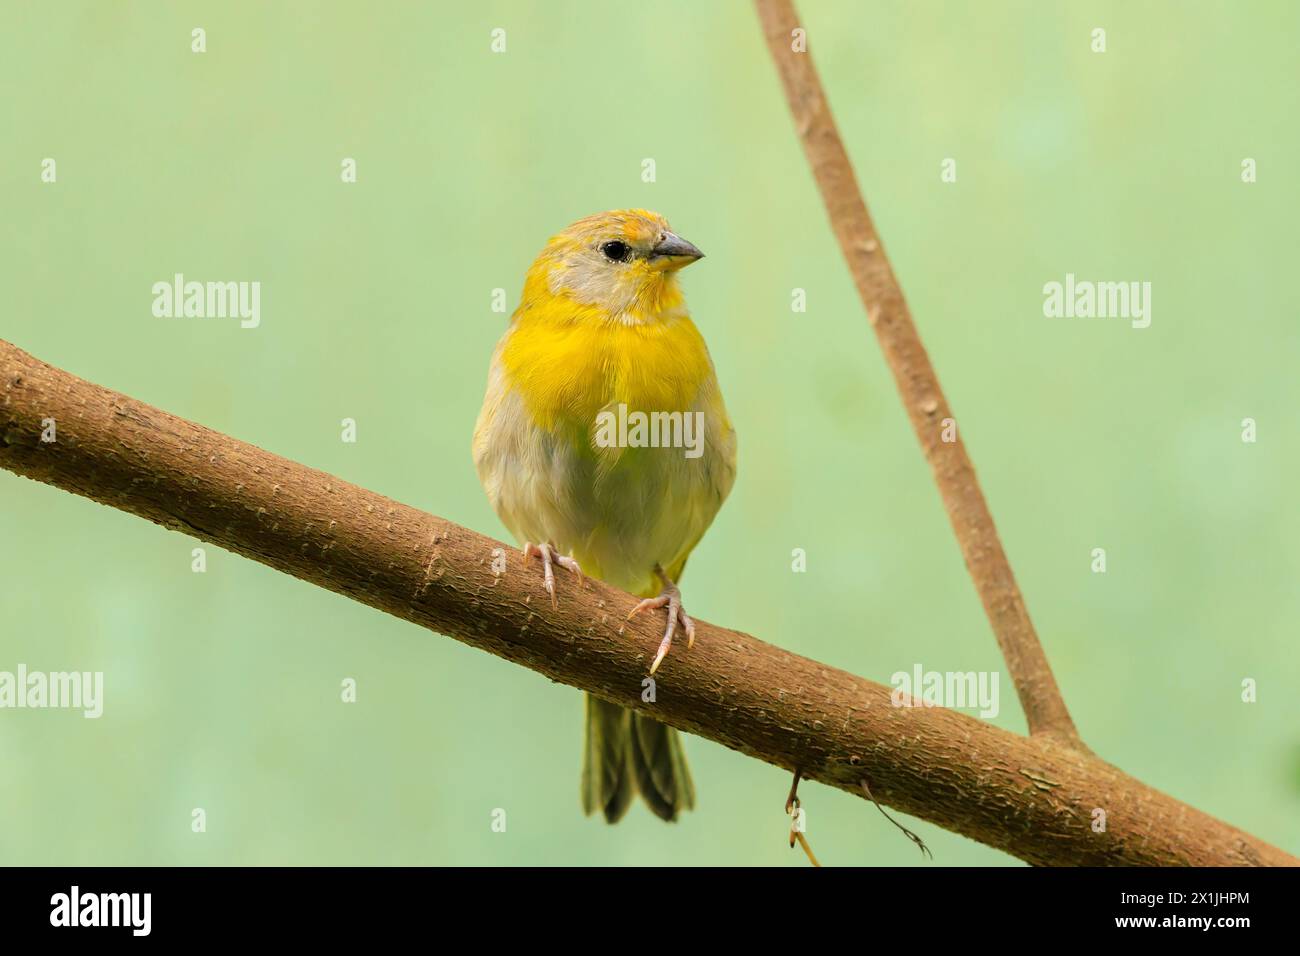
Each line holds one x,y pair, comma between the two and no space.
1035,798
792,808
926,406
920,844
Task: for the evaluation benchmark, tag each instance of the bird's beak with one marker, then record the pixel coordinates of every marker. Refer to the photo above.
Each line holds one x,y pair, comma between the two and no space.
673,252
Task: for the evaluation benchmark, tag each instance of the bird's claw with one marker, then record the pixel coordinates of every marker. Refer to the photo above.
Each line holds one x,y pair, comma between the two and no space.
550,557
671,598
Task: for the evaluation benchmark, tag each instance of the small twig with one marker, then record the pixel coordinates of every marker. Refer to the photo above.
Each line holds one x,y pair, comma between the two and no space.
925,850
794,791
792,809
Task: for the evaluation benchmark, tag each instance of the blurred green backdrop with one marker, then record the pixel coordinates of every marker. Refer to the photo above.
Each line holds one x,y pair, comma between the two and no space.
222,689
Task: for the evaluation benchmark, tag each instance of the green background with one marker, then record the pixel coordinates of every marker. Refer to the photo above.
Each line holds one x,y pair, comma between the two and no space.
222,689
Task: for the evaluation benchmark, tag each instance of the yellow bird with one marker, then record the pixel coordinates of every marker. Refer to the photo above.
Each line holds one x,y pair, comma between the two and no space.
604,446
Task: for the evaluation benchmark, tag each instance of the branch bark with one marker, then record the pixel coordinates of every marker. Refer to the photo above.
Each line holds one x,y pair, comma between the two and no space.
1032,797
927,408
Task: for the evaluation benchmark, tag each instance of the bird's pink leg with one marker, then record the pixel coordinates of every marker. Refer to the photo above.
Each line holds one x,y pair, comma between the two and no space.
550,556
670,598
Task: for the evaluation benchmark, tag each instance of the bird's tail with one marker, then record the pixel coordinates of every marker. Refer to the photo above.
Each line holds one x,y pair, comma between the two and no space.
626,753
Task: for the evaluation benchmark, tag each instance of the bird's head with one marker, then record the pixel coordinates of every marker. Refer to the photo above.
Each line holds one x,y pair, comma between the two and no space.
622,263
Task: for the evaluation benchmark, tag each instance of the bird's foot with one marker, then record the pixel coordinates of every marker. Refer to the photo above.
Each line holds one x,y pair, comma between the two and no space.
670,598
550,557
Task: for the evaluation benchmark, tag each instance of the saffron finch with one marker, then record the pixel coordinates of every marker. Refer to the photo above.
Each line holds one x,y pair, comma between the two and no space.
605,448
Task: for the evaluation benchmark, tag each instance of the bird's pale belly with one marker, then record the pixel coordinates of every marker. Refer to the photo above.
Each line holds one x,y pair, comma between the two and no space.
619,511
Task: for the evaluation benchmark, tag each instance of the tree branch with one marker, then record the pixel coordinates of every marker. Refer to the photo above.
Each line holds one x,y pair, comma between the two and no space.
1032,797
926,406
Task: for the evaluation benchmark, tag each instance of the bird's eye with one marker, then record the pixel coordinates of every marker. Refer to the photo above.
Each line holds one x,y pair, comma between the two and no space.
618,251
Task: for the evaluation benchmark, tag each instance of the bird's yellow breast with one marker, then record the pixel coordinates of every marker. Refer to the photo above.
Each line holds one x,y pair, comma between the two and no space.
567,366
